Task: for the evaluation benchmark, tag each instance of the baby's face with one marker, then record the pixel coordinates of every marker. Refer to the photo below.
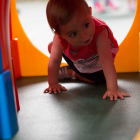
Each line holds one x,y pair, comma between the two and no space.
80,30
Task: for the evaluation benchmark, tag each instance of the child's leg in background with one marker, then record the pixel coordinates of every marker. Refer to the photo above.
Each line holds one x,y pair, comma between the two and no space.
132,5
111,4
98,6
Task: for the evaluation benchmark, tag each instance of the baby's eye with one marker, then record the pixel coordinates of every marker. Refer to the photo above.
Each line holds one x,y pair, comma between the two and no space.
86,25
73,34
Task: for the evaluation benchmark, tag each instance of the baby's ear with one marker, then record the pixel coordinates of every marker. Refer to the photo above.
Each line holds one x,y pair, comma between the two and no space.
55,33
90,9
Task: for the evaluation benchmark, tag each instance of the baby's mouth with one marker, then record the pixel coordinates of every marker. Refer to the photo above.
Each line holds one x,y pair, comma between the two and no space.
87,41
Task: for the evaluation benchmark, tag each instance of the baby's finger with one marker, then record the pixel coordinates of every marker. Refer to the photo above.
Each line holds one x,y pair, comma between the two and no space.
63,88
59,90
115,97
46,90
50,90
121,96
111,97
104,96
125,94
54,90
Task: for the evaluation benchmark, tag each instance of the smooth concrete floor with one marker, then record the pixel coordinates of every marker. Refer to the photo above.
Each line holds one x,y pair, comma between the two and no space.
79,113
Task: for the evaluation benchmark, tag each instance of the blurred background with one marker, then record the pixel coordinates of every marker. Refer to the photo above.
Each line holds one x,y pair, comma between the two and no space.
118,14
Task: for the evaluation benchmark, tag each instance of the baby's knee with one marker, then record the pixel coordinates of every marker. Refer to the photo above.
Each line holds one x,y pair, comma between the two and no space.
50,47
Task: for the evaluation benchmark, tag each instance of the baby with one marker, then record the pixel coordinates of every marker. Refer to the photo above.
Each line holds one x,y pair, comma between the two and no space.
85,42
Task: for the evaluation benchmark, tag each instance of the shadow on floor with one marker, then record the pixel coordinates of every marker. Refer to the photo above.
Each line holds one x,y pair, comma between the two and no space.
79,113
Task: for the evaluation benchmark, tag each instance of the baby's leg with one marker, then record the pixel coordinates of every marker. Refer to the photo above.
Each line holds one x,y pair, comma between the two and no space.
79,77
69,70
50,47
96,77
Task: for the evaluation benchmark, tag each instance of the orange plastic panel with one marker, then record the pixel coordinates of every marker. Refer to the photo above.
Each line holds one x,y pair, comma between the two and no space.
15,57
139,51
127,59
32,61
137,137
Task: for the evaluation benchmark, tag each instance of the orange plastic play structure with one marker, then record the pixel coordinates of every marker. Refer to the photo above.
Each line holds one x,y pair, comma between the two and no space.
34,63
128,58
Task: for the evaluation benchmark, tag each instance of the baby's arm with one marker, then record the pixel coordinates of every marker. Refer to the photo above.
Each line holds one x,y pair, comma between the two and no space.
53,67
106,60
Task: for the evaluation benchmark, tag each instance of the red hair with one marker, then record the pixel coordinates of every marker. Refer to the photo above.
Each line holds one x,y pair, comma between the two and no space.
60,12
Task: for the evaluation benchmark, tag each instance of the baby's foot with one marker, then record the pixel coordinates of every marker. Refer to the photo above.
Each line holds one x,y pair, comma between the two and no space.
63,73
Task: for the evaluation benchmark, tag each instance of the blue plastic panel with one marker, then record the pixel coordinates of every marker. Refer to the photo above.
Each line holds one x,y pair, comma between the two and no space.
8,116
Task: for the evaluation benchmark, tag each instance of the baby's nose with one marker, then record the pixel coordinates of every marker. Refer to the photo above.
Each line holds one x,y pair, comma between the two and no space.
83,35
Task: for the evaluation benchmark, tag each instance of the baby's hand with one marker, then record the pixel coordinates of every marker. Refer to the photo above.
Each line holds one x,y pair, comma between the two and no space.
56,88
114,94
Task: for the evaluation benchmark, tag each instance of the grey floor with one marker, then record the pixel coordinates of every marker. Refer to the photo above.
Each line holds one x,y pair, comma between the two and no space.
79,113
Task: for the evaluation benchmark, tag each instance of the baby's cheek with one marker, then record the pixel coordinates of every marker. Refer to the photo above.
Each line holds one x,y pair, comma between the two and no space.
92,29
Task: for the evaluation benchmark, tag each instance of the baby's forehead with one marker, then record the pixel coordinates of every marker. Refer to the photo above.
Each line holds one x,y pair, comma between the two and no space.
78,13
80,16
81,11
76,22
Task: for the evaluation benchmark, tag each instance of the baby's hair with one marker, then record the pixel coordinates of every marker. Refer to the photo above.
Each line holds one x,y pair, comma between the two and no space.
60,12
